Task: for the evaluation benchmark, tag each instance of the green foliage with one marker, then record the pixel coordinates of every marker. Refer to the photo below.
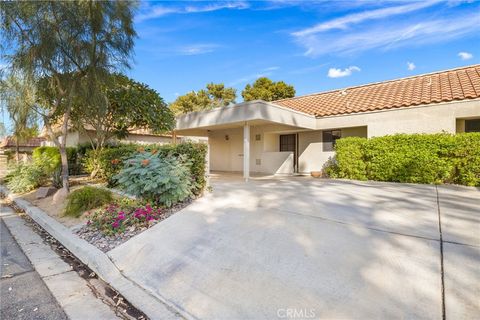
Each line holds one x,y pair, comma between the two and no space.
411,158
111,159
349,159
162,180
85,199
49,159
215,95
24,177
267,90
107,161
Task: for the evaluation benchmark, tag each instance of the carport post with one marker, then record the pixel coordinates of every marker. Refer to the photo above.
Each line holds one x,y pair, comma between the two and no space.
246,151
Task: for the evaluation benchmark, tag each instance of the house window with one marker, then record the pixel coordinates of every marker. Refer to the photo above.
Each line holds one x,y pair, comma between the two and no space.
329,138
472,125
258,137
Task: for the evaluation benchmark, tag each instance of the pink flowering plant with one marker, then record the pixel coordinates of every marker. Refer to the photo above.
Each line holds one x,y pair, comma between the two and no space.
118,216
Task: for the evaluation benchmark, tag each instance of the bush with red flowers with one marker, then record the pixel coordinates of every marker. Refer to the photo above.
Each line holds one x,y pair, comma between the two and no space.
116,217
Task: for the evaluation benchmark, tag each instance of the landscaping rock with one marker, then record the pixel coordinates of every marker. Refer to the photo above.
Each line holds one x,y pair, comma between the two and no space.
44,192
60,196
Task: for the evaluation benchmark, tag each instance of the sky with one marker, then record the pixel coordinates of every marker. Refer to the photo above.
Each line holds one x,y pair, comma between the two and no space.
313,45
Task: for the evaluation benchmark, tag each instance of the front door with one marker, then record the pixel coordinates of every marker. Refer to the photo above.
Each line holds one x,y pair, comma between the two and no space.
288,142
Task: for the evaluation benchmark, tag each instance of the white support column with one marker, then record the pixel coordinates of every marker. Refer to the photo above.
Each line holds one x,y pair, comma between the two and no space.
246,150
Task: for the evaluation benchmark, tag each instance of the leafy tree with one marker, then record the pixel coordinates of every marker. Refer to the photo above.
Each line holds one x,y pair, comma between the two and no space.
69,48
214,96
130,106
18,95
267,90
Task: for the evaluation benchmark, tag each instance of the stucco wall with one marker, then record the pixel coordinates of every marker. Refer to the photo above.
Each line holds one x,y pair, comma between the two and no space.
311,156
422,119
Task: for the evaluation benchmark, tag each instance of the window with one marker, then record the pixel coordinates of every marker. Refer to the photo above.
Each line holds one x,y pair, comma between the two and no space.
472,125
329,138
287,142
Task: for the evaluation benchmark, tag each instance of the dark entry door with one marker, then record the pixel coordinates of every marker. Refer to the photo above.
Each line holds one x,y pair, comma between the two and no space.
288,142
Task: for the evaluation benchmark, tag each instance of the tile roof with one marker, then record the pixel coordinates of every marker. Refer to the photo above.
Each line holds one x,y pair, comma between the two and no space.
10,142
443,86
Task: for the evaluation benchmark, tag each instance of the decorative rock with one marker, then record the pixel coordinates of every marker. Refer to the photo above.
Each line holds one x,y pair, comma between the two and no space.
44,192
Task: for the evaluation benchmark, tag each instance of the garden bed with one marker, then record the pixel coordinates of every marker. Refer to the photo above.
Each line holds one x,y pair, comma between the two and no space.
107,242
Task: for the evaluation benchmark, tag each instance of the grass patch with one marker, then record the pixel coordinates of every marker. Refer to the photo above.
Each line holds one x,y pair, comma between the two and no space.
86,198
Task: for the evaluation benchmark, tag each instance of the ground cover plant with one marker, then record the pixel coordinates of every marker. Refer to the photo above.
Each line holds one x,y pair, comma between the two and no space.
411,158
86,198
24,177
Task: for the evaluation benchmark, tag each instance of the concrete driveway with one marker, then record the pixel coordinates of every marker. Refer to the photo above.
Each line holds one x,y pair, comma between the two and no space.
302,248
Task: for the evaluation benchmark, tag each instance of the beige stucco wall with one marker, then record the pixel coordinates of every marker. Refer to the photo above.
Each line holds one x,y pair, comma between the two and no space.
311,156
423,119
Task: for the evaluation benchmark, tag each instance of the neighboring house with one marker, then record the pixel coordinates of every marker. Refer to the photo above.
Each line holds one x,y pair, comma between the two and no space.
8,144
140,136
297,135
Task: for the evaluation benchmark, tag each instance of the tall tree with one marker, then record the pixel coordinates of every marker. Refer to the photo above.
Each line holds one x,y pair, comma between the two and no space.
130,106
18,95
214,96
69,48
267,90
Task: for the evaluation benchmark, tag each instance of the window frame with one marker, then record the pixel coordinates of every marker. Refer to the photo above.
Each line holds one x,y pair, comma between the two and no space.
329,139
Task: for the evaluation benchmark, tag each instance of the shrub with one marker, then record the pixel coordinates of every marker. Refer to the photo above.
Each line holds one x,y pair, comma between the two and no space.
49,159
24,177
85,199
116,217
196,154
163,180
110,160
349,159
107,162
415,158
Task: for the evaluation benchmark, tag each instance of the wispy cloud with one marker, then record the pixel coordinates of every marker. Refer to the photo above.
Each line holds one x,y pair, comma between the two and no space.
197,49
344,22
385,28
411,66
266,72
339,73
156,11
465,55
391,35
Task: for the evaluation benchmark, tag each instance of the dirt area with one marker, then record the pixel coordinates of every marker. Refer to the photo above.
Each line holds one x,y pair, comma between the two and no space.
55,210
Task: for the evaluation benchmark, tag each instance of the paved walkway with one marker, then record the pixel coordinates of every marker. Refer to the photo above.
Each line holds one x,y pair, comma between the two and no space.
43,286
276,248
24,294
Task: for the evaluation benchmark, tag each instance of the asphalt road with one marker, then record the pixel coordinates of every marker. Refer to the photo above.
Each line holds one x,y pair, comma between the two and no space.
23,294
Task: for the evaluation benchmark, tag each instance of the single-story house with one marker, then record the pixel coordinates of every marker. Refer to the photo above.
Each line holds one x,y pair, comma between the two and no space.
8,144
297,135
140,136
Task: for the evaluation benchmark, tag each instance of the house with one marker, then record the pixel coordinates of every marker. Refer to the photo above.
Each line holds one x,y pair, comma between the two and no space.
140,136
8,144
297,135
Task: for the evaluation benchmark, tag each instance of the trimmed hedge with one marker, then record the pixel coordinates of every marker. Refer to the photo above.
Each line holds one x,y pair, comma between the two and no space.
411,158
111,159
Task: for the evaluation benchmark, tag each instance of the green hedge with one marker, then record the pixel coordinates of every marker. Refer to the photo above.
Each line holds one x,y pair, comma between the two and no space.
414,158
50,158
111,159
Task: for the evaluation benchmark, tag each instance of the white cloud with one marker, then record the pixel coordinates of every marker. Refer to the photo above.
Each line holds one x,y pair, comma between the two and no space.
338,73
155,11
403,32
411,66
465,55
197,49
343,22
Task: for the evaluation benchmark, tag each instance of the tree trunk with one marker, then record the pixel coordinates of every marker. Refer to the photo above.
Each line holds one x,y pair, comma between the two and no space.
63,157
17,151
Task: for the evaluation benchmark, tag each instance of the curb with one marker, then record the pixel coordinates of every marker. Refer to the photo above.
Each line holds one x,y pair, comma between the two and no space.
99,262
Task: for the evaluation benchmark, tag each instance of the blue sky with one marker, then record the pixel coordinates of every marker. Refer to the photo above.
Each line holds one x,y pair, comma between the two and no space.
314,45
